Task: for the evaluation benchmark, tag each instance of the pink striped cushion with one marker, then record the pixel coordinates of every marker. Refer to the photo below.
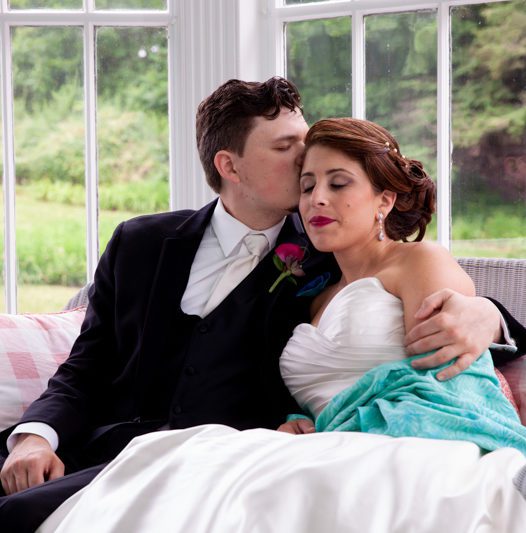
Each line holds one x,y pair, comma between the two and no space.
506,389
515,374
31,348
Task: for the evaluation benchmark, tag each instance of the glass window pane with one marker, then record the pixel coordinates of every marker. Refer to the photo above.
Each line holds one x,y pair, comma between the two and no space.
45,4
49,153
131,4
401,82
132,122
489,130
319,63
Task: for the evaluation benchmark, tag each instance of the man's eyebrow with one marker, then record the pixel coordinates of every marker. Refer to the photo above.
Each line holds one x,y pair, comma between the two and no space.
286,138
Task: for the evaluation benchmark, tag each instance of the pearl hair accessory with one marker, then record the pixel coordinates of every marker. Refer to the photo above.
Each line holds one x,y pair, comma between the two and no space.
380,218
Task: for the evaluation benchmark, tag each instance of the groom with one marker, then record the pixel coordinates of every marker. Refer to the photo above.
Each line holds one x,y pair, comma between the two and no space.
167,342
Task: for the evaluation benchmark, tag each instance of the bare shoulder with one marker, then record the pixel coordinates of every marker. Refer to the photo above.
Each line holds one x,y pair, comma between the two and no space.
427,267
425,254
424,268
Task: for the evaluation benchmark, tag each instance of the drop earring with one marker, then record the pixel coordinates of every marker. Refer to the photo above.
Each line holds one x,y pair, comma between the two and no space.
380,218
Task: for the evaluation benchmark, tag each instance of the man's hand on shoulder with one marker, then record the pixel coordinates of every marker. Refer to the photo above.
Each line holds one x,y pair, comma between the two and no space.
455,325
31,462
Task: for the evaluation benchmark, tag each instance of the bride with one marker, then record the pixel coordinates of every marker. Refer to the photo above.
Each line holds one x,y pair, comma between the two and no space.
362,200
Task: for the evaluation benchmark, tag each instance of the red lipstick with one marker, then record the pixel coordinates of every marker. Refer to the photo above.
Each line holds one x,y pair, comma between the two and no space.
320,221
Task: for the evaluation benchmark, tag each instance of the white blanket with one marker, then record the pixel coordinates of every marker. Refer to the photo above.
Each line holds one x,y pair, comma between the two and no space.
217,479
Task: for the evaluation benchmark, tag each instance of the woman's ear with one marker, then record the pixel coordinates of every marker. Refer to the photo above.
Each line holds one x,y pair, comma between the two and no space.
387,201
224,163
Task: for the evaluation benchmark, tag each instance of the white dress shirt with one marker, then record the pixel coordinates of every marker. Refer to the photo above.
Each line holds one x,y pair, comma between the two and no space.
221,244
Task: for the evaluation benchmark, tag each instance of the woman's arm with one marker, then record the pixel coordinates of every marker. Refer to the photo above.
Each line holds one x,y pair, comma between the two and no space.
426,269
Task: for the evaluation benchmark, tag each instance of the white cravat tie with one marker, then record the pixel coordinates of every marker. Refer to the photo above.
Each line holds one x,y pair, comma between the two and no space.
238,270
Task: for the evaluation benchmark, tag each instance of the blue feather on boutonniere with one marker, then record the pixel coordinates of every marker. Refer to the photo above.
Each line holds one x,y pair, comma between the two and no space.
315,286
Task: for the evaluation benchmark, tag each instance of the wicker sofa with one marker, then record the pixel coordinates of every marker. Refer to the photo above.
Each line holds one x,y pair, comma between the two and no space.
33,345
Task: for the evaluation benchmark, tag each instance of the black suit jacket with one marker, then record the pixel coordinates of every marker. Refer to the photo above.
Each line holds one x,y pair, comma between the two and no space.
140,362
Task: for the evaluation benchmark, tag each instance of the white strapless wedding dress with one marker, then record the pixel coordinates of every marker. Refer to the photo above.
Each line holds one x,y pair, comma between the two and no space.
215,479
361,328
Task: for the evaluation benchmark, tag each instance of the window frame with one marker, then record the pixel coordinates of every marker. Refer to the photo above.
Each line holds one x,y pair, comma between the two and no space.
281,14
209,42
197,64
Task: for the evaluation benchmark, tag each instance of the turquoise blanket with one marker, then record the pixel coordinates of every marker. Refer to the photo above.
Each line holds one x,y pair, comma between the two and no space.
395,399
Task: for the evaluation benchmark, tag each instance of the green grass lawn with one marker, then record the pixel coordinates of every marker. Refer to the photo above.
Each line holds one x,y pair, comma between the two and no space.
51,251
41,298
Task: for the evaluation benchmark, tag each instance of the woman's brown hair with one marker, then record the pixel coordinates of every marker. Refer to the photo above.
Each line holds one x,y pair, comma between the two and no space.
379,154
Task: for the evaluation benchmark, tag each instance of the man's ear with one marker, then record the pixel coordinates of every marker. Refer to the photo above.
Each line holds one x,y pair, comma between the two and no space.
224,163
387,201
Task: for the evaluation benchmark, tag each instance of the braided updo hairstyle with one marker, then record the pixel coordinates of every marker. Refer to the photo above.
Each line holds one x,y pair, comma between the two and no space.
379,154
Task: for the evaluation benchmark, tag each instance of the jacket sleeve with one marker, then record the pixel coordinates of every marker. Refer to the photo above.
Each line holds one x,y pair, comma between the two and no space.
81,385
517,331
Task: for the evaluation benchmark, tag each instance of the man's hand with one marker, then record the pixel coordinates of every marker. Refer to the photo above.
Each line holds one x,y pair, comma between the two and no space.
299,426
31,462
455,325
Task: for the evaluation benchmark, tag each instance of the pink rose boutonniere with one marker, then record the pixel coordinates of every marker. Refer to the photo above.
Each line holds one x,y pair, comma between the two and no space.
288,259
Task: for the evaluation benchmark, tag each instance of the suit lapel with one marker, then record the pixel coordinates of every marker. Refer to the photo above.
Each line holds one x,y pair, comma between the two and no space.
175,261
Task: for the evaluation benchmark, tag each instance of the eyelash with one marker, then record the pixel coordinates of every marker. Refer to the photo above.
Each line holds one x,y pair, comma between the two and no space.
305,190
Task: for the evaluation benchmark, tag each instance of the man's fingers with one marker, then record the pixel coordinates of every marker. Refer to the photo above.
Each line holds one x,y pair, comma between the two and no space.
436,341
35,476
440,357
56,470
432,303
6,485
462,362
442,323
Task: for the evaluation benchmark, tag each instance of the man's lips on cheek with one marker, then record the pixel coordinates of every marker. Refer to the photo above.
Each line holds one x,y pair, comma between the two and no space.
320,221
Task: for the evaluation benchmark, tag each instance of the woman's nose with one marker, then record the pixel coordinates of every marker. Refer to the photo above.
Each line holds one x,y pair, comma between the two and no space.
318,196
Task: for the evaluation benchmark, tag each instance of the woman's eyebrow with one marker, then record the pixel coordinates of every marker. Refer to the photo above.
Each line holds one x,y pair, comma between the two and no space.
333,170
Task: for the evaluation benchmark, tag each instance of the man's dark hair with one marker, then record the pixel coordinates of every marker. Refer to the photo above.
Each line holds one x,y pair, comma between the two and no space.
226,117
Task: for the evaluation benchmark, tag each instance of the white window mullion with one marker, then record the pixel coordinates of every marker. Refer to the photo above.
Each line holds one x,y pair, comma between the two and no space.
90,154
358,65
444,126
9,177
172,122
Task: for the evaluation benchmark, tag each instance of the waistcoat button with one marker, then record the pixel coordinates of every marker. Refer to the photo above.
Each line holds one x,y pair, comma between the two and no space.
203,327
189,370
178,410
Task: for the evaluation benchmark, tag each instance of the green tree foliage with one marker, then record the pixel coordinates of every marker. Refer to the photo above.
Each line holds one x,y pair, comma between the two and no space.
132,104
489,71
319,61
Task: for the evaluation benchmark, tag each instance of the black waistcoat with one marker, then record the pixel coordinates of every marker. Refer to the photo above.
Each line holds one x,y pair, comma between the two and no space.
224,368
